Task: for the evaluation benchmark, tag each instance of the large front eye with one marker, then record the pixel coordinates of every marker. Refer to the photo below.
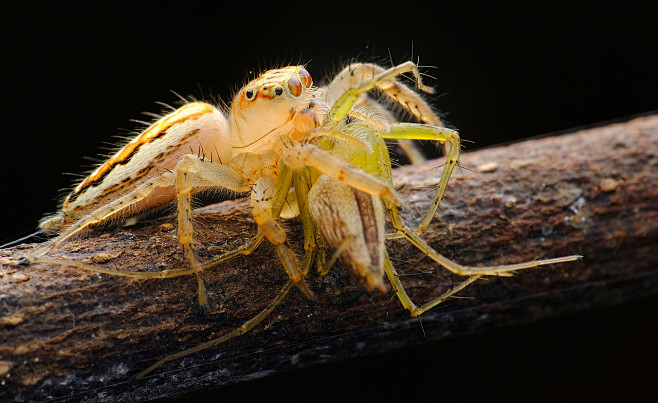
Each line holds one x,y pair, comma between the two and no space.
306,78
250,94
295,86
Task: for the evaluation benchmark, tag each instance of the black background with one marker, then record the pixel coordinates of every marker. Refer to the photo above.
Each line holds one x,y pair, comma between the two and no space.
73,76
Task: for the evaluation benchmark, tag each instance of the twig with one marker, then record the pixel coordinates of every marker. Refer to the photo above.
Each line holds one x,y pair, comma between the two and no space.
71,333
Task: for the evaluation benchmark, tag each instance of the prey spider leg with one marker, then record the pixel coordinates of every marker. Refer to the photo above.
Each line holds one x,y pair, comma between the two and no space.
423,132
367,77
347,88
357,74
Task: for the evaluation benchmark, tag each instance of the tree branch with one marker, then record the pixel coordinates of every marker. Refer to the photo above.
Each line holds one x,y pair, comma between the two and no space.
68,332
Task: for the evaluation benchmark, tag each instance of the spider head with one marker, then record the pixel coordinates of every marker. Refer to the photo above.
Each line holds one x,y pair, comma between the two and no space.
268,102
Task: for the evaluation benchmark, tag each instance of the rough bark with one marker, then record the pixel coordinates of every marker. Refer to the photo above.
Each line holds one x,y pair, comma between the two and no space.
72,333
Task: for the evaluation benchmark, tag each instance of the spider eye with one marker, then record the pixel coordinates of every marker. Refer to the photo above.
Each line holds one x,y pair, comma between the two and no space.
250,94
295,86
306,78
278,90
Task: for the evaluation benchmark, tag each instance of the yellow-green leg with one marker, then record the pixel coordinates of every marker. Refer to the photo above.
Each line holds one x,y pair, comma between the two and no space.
248,325
185,228
474,272
399,131
262,197
498,270
344,104
435,133
405,97
242,250
407,303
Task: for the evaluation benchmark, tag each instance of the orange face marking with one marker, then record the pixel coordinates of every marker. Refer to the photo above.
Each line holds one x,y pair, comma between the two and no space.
271,83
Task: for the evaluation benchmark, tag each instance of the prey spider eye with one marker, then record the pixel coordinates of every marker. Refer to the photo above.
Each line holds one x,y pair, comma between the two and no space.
250,94
306,78
295,86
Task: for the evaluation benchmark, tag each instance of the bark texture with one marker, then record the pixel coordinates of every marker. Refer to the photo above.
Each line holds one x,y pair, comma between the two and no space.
68,333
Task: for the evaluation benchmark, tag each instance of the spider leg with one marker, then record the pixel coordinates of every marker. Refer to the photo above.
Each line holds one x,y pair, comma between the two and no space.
243,250
262,197
239,331
193,172
105,212
426,132
377,163
498,270
303,181
355,74
382,80
299,155
407,303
